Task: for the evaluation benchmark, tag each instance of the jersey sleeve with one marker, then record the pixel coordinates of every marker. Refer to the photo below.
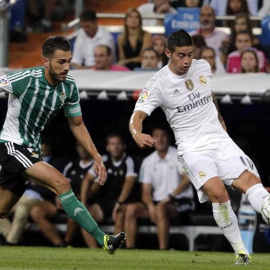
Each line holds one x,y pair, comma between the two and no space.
150,98
130,167
145,176
72,107
15,83
5,85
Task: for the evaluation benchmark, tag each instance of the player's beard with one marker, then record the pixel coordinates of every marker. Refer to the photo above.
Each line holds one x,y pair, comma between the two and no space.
55,76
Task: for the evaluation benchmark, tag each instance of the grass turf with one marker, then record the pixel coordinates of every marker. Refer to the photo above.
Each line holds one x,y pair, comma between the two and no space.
82,258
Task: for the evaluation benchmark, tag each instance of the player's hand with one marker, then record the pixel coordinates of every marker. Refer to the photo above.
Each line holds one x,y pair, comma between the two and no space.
144,140
100,171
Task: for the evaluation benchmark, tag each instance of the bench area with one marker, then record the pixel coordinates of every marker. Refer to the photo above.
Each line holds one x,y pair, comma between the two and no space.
200,225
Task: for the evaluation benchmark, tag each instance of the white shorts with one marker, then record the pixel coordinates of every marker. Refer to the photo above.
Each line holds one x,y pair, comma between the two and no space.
223,159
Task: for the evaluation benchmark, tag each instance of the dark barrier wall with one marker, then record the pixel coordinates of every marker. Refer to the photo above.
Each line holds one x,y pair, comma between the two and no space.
248,125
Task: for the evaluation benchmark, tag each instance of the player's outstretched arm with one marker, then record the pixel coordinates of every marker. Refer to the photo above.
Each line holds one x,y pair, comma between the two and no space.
221,120
135,128
81,133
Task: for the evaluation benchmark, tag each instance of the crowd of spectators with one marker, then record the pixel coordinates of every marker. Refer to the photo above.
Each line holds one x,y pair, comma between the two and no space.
134,45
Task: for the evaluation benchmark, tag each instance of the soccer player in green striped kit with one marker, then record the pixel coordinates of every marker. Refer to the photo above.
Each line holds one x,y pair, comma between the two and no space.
35,96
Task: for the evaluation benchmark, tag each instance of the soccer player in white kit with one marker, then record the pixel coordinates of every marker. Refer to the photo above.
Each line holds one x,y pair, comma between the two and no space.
208,155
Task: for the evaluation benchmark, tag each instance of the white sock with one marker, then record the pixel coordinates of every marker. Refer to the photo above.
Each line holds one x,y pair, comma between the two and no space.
255,195
227,221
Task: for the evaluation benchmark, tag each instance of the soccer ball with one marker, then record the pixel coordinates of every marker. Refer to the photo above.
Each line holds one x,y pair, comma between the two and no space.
266,210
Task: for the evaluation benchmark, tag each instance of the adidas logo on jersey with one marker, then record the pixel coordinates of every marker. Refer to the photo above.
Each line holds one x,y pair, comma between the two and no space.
77,210
176,91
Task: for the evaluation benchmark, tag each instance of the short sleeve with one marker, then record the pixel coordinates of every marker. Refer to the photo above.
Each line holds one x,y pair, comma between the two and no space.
72,107
150,98
145,173
130,167
5,84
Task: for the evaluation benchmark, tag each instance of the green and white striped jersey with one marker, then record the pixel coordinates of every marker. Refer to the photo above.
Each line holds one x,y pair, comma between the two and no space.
33,102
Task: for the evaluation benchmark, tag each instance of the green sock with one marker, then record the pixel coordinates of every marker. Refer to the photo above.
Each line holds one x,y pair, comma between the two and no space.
77,211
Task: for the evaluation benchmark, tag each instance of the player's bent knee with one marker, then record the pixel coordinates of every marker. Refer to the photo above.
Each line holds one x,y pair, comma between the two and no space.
62,186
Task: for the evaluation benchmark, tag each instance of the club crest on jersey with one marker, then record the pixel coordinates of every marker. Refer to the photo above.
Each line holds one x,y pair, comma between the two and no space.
189,85
203,81
144,96
62,96
202,174
4,81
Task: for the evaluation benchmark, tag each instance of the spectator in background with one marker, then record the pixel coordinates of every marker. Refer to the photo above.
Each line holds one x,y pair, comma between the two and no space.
235,7
157,7
249,62
159,45
166,192
89,36
43,212
221,5
241,23
198,44
121,187
265,9
149,60
103,60
209,55
133,40
243,41
213,37
186,3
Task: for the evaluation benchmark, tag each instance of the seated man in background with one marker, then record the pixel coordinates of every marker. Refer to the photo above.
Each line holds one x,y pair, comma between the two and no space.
150,60
89,36
157,7
121,188
212,36
166,192
12,230
43,212
103,60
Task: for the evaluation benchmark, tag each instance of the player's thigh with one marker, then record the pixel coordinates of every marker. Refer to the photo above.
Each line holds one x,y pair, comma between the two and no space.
7,200
233,162
46,175
199,166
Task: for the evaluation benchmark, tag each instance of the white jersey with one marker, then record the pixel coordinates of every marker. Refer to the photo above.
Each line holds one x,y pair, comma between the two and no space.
164,175
188,105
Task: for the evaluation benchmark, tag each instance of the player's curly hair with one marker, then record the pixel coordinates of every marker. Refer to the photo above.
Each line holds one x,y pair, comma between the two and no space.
54,43
179,38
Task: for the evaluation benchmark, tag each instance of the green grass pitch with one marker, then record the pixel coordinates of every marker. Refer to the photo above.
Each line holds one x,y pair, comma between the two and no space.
82,258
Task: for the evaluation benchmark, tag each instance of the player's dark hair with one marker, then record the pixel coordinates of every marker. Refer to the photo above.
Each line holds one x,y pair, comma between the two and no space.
179,38
115,135
88,15
54,43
